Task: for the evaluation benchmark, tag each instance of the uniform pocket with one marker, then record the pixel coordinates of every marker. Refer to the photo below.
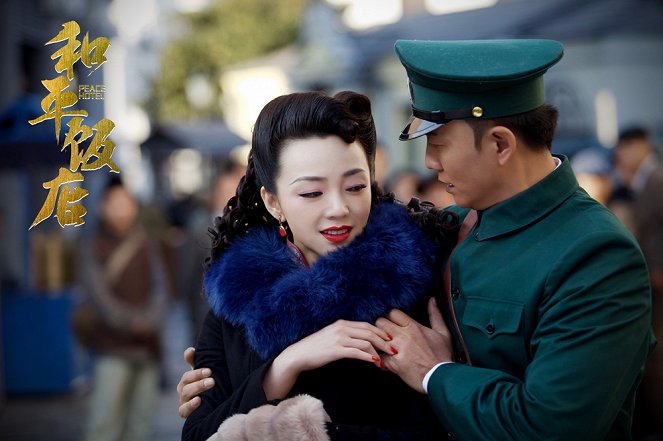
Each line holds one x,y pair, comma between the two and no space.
493,317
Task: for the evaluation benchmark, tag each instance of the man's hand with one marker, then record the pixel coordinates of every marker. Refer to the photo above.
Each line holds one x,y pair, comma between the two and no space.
419,348
191,384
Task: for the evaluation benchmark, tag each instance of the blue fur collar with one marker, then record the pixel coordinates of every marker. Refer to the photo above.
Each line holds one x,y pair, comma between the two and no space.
258,285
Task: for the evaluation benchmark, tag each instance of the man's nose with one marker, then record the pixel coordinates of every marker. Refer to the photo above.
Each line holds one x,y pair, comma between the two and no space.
431,160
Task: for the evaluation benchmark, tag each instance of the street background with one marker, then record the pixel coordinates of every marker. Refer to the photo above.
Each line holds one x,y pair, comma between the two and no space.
183,83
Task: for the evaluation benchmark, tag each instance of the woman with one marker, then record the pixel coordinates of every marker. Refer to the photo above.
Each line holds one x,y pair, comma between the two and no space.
305,257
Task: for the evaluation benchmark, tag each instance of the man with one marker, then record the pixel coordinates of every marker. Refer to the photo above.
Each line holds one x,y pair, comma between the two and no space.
548,315
642,174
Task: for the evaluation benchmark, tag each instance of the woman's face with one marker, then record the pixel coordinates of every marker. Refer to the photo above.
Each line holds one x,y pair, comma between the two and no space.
323,192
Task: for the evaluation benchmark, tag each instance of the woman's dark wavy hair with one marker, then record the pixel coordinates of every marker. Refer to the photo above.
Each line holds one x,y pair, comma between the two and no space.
304,115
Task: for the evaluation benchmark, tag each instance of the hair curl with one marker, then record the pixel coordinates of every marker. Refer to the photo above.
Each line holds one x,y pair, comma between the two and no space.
439,224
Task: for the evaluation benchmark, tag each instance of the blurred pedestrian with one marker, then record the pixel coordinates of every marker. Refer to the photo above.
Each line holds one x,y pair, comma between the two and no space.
642,173
197,248
381,165
594,172
403,184
126,287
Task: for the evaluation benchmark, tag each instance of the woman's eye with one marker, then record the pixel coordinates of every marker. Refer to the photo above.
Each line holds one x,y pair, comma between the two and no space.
356,188
312,194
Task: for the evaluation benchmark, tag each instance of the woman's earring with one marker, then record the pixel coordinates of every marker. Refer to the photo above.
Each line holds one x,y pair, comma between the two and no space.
282,231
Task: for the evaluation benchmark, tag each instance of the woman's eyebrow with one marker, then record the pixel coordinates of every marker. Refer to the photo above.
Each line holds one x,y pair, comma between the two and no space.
308,178
351,172
354,171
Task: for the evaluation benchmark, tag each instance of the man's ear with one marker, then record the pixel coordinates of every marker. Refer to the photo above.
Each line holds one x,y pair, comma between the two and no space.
504,142
271,203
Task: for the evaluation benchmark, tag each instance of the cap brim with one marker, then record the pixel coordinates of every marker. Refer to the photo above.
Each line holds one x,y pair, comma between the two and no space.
416,127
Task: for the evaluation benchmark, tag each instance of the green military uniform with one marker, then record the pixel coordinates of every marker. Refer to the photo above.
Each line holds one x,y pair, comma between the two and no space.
551,296
549,291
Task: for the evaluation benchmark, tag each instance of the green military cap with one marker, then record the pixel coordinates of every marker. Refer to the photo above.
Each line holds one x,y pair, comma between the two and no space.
473,79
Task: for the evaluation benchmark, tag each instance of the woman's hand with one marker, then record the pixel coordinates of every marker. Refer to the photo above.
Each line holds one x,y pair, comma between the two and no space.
341,339
191,384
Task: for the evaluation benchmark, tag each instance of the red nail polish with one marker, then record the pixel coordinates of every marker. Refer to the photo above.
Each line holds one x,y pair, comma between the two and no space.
393,350
389,336
376,359
381,364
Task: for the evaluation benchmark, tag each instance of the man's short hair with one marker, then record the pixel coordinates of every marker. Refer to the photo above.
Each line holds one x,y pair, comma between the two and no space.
632,134
535,128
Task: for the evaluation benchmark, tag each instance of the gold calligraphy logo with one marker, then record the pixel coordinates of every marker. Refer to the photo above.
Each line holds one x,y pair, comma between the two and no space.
89,147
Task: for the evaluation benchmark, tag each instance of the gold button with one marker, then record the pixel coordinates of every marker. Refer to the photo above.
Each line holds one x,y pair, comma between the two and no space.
477,112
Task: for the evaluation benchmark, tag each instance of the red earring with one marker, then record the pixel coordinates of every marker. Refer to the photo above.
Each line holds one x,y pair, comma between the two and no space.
282,231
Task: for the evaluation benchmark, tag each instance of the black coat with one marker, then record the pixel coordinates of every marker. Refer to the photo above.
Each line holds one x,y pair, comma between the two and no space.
391,264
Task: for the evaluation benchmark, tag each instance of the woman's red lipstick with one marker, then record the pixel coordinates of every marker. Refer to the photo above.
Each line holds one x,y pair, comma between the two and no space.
337,234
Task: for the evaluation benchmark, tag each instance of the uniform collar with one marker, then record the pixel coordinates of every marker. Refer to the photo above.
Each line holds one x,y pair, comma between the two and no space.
529,205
